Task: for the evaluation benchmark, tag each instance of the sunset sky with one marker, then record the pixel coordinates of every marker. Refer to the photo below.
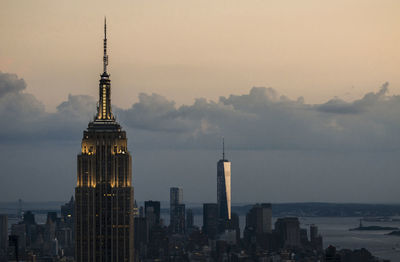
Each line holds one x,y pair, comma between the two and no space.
306,94
189,49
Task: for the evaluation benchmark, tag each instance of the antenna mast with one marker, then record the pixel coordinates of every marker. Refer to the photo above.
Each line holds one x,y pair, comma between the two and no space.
223,148
105,56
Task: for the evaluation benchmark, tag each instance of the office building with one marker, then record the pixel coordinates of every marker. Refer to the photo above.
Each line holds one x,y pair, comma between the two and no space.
141,235
152,212
3,237
288,229
259,218
104,222
29,218
67,211
18,231
224,187
177,210
189,219
315,238
210,220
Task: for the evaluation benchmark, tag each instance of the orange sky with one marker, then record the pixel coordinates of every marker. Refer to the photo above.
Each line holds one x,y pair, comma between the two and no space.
209,48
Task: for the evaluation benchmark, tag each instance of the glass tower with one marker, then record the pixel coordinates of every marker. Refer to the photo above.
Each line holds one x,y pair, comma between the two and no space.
104,193
224,187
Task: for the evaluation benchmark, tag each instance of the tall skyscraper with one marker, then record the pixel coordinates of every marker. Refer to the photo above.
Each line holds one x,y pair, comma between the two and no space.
177,210
224,187
104,194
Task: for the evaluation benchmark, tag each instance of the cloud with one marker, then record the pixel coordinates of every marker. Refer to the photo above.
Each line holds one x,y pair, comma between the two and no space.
261,119
10,83
26,121
274,142
338,106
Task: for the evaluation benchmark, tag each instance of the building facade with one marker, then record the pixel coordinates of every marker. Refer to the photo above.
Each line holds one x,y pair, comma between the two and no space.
259,218
177,210
3,237
152,208
189,219
288,229
104,193
210,220
224,187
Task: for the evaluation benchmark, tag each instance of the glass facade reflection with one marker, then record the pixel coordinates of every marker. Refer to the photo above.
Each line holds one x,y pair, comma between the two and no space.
224,189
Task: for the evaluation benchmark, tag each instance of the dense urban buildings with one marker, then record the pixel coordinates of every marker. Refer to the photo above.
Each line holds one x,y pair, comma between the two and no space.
50,238
48,241
104,223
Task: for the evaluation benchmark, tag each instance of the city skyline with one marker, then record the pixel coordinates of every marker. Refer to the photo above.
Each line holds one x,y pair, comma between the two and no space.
306,95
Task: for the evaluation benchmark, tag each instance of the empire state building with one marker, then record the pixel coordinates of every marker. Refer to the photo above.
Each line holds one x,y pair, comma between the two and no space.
104,193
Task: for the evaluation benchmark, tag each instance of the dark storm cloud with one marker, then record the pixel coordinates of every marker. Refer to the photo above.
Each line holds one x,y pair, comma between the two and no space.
261,119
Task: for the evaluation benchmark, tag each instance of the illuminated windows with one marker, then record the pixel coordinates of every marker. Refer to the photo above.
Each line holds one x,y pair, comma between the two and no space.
104,101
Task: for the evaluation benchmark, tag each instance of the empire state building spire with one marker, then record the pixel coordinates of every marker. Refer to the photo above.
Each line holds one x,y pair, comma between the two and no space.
105,56
104,108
